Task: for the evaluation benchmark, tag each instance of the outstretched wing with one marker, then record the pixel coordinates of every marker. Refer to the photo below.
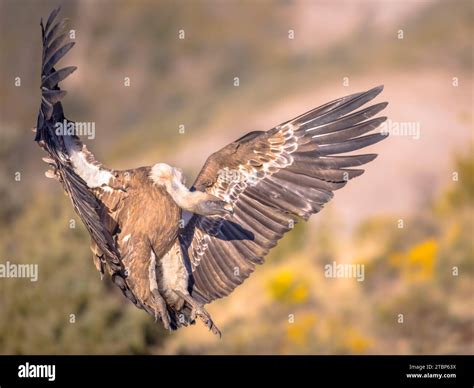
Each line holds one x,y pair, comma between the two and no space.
88,184
273,179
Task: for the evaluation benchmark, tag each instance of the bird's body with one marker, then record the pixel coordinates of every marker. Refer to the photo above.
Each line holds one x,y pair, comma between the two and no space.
147,226
172,249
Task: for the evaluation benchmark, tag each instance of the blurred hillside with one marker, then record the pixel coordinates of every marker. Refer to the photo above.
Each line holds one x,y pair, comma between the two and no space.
190,82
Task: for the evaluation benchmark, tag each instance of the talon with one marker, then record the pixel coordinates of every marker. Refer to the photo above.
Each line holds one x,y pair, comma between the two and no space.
165,318
214,207
161,311
198,311
201,313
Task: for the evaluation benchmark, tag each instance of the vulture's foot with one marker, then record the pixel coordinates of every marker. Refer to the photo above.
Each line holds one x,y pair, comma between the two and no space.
213,206
198,311
160,309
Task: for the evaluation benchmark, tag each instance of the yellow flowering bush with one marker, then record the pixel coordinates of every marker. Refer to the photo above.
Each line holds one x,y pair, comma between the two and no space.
418,263
286,287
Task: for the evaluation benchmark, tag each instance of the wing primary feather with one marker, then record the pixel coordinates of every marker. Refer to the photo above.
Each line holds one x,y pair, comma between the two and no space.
350,145
57,56
344,134
53,47
348,106
51,18
54,78
51,34
344,122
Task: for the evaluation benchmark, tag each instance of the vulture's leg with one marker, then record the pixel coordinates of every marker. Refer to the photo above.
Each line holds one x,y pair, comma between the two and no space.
199,311
160,307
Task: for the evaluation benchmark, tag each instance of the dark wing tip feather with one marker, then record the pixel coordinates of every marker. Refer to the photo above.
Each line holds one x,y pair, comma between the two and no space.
382,105
50,78
53,96
351,145
61,52
335,109
377,90
51,18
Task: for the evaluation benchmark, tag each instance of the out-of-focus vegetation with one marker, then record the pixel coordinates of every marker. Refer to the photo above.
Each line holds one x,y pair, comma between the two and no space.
430,266
422,271
286,287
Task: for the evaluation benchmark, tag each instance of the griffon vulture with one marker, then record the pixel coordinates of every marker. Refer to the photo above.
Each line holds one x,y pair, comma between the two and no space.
173,249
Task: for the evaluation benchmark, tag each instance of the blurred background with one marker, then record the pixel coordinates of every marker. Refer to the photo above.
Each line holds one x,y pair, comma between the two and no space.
420,50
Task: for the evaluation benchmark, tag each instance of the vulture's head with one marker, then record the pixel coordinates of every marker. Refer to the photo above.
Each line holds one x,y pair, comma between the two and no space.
198,202
163,174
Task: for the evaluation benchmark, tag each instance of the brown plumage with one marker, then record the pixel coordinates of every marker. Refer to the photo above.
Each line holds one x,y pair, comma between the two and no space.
171,249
